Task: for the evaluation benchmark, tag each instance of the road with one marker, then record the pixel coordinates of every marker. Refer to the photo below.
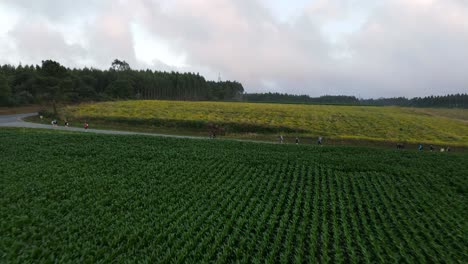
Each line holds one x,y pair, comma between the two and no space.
17,121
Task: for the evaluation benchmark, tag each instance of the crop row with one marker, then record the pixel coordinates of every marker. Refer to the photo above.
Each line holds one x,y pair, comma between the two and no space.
91,198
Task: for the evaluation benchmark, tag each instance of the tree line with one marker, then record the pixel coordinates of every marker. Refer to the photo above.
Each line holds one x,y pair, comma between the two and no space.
53,83
450,101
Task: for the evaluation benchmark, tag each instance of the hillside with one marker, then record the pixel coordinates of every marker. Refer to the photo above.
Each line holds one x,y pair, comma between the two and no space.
386,124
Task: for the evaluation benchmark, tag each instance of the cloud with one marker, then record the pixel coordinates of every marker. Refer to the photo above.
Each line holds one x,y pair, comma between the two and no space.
41,42
358,47
241,39
110,37
413,47
57,10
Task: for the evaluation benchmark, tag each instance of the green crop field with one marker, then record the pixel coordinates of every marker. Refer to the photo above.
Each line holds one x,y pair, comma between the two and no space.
83,197
356,123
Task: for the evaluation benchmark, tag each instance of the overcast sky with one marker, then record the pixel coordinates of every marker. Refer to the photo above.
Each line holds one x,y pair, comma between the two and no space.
367,48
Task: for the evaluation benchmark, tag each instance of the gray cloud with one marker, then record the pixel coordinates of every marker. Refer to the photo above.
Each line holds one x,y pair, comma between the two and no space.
110,36
42,42
413,48
57,10
366,48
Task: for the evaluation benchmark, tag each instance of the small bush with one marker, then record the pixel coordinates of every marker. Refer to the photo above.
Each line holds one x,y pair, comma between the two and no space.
46,113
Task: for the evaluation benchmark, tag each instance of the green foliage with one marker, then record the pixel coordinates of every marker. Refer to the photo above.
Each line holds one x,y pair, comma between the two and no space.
5,91
46,113
118,65
120,89
42,82
51,81
22,98
53,69
79,197
54,82
300,99
451,100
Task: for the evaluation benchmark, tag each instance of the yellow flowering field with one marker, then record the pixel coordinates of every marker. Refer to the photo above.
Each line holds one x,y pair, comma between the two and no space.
346,122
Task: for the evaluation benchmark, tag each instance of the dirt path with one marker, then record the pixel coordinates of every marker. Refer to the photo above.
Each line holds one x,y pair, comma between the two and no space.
17,121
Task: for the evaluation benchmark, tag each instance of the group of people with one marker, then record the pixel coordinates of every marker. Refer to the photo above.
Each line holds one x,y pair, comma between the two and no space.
213,131
421,147
431,148
281,140
54,123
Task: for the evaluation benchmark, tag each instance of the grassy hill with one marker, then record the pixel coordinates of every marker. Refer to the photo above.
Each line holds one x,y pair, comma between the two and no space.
387,124
83,197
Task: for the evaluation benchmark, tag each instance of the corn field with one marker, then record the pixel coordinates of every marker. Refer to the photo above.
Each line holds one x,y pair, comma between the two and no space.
71,197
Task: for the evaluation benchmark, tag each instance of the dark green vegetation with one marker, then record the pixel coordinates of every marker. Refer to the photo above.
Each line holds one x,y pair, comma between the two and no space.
447,101
52,82
21,110
83,197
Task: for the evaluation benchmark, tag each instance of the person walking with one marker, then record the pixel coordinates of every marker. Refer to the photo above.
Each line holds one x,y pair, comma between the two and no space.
319,141
281,139
431,148
420,147
297,140
86,125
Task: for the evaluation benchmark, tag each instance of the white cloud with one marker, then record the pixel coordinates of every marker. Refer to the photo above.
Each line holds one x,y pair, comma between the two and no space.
152,49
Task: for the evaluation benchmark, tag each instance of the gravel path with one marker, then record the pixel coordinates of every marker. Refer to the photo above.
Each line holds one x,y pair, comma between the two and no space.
17,121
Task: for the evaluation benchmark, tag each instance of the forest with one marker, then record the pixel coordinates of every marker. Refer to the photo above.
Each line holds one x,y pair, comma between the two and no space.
451,100
53,83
